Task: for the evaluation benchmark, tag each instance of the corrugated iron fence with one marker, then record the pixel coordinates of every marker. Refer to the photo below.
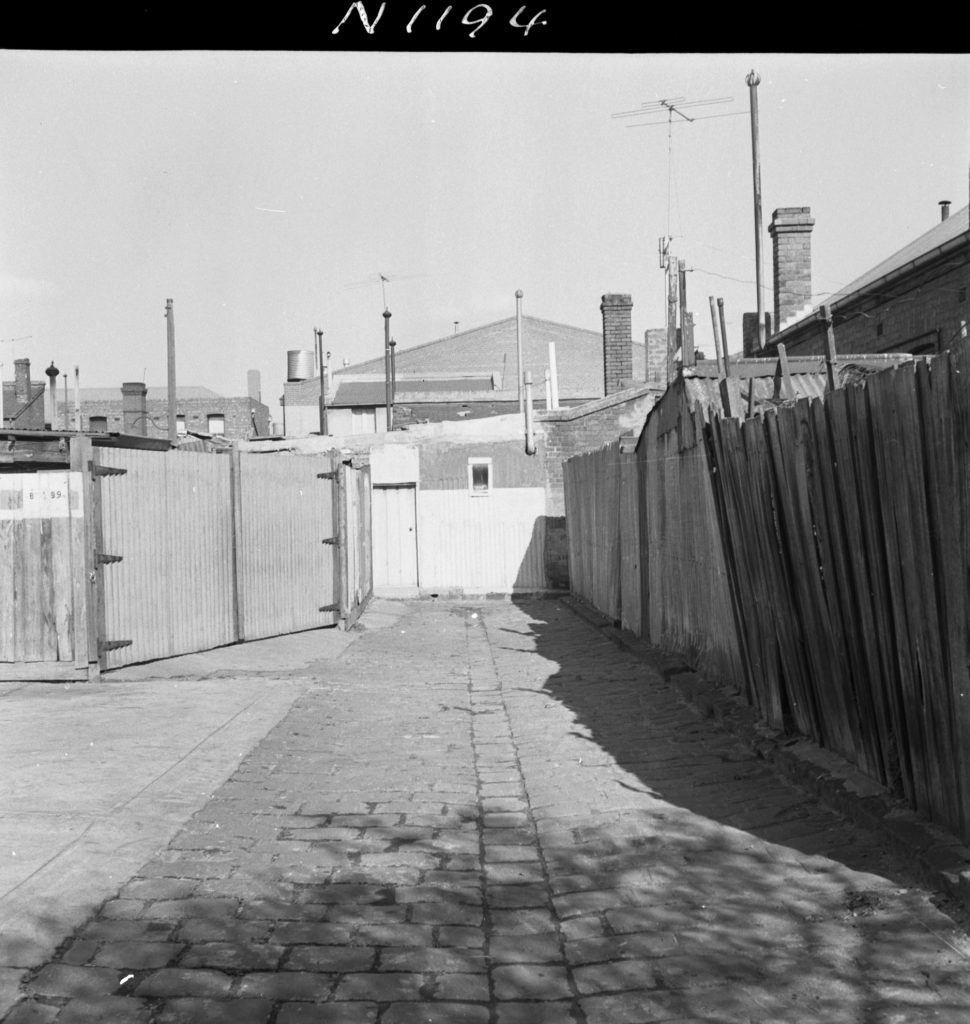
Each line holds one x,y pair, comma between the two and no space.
835,536
145,554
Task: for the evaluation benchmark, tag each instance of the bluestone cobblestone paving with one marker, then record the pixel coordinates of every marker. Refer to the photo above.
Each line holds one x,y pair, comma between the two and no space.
488,813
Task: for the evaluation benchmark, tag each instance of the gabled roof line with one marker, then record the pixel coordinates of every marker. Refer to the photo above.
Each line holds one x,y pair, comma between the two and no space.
474,330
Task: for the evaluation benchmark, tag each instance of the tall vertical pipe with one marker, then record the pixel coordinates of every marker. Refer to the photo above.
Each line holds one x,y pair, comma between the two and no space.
530,439
77,398
518,344
322,400
754,80
170,330
553,376
388,392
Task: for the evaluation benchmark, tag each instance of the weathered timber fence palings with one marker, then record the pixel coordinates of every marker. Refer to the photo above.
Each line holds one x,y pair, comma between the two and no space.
357,579
686,597
816,557
43,628
591,483
847,528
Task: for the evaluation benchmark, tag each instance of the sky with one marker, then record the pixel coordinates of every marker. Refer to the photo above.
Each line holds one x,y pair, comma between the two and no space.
265,193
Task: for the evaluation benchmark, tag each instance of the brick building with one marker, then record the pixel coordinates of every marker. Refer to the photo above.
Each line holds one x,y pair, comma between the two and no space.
468,375
914,301
23,400
136,409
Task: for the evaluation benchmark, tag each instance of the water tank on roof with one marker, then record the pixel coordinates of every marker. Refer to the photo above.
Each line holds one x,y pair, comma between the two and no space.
299,364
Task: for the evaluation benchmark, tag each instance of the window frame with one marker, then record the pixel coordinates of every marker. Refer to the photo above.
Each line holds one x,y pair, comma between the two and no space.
478,462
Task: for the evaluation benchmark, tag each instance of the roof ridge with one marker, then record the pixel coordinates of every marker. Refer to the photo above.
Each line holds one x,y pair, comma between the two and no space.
472,330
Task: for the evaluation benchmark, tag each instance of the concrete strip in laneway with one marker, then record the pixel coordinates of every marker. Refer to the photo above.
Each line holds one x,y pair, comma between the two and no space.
96,777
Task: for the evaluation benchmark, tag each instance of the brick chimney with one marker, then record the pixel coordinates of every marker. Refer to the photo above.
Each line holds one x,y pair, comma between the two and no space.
749,333
791,234
21,376
253,385
617,343
655,340
134,408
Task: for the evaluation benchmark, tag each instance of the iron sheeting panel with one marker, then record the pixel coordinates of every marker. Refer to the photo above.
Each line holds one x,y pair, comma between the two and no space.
168,517
285,570
488,544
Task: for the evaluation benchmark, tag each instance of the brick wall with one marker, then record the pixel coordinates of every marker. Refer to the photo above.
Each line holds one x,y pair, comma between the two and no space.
929,305
586,428
791,233
196,411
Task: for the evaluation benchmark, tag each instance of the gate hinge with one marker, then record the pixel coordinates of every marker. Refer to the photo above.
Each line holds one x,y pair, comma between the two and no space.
103,559
112,645
329,608
97,470
329,540
326,476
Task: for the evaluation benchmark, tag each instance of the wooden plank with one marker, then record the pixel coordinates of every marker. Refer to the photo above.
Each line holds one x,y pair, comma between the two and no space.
8,604
867,670
42,672
864,438
890,469
953,412
830,520
949,624
86,582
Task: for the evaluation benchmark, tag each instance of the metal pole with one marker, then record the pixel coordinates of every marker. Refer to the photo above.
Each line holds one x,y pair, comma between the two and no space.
393,371
172,421
388,396
518,344
77,398
754,80
321,402
324,384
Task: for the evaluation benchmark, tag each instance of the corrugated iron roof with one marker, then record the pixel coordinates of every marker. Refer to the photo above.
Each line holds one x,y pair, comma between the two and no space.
942,232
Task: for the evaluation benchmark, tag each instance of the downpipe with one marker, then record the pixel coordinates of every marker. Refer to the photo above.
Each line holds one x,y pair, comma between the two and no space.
530,440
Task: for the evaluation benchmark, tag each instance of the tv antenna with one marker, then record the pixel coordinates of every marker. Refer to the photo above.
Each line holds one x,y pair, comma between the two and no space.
675,107
385,279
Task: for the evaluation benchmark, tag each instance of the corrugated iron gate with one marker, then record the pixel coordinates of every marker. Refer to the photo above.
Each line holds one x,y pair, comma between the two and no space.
138,554
195,551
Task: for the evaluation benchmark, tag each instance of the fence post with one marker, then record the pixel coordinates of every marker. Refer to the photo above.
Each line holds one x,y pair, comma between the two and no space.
340,532
831,380
87,587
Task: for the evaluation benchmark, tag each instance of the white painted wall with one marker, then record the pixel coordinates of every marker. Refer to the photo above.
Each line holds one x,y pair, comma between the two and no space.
482,544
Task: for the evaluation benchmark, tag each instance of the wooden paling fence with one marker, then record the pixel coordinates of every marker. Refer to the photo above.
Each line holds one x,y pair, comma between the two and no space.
817,557
848,526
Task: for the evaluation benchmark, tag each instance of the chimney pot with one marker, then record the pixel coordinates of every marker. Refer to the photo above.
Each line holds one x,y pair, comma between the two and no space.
944,209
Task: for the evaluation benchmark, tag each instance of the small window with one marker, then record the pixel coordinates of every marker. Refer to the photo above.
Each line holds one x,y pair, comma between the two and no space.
479,477
180,427
217,423
98,423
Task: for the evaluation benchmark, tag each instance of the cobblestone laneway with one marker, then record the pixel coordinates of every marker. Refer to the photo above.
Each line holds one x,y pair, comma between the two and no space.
488,813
